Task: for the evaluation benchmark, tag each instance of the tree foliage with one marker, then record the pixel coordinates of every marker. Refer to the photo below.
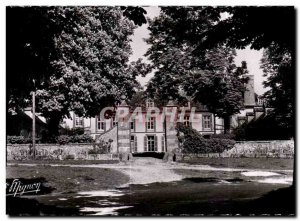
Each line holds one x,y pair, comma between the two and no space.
237,26
192,142
206,28
209,77
91,68
29,50
78,57
279,71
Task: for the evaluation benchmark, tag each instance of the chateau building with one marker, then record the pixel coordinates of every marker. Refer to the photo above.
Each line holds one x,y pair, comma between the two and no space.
155,132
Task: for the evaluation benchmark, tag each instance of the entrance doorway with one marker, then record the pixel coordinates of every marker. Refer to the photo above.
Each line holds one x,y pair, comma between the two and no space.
151,143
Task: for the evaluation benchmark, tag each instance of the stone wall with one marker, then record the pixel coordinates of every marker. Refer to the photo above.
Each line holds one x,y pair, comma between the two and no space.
56,152
275,148
255,149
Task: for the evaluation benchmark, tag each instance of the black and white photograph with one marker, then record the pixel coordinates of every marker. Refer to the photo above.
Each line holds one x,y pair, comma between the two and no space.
150,111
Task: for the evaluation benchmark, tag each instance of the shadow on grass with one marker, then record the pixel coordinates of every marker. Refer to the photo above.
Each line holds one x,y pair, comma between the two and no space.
16,206
278,202
211,179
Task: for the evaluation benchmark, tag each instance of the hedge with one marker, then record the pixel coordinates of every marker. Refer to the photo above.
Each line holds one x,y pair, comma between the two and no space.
62,139
18,140
84,138
193,142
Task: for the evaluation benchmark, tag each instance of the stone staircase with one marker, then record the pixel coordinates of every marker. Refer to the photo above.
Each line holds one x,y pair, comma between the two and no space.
108,135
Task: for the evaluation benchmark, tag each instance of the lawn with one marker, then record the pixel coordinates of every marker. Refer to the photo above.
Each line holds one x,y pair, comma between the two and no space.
63,162
249,163
69,179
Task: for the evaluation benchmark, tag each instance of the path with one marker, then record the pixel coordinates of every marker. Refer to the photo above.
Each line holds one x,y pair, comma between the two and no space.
150,170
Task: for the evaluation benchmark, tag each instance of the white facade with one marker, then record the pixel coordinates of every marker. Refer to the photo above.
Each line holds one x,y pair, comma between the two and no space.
146,135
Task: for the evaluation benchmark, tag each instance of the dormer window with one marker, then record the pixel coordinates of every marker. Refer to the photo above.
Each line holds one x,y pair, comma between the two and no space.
150,103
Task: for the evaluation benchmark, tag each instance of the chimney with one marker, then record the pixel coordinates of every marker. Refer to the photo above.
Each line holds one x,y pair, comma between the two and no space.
249,97
258,112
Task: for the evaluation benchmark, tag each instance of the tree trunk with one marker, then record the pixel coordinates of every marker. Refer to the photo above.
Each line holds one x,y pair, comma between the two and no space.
227,125
53,125
215,130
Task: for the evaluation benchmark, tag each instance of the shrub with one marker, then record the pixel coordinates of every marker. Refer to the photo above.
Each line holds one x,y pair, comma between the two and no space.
219,145
19,140
70,157
223,136
63,139
101,147
93,151
84,138
73,131
240,132
15,139
193,142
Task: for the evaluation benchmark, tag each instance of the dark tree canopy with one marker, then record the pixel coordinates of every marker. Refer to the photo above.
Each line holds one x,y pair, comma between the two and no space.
29,50
205,28
30,47
78,57
209,77
237,27
136,14
279,70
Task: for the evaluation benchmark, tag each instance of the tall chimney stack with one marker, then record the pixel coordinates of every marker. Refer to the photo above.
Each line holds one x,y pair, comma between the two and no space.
249,96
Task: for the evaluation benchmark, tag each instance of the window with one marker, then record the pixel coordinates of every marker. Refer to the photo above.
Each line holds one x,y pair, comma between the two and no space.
132,125
149,103
133,144
151,143
163,144
114,121
207,122
150,123
100,124
78,121
186,121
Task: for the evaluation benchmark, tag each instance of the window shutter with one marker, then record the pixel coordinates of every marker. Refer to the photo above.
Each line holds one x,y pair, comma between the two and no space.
104,125
162,144
155,143
146,124
202,122
145,143
211,127
154,124
135,144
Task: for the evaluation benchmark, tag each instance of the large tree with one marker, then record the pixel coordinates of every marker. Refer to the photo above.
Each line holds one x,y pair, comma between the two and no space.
209,76
270,28
77,56
30,47
29,50
91,70
277,66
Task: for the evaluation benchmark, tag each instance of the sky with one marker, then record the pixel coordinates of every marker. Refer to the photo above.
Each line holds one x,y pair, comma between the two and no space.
252,57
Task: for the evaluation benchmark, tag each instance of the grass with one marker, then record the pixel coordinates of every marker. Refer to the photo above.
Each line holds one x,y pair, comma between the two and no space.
249,163
206,174
69,179
63,162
